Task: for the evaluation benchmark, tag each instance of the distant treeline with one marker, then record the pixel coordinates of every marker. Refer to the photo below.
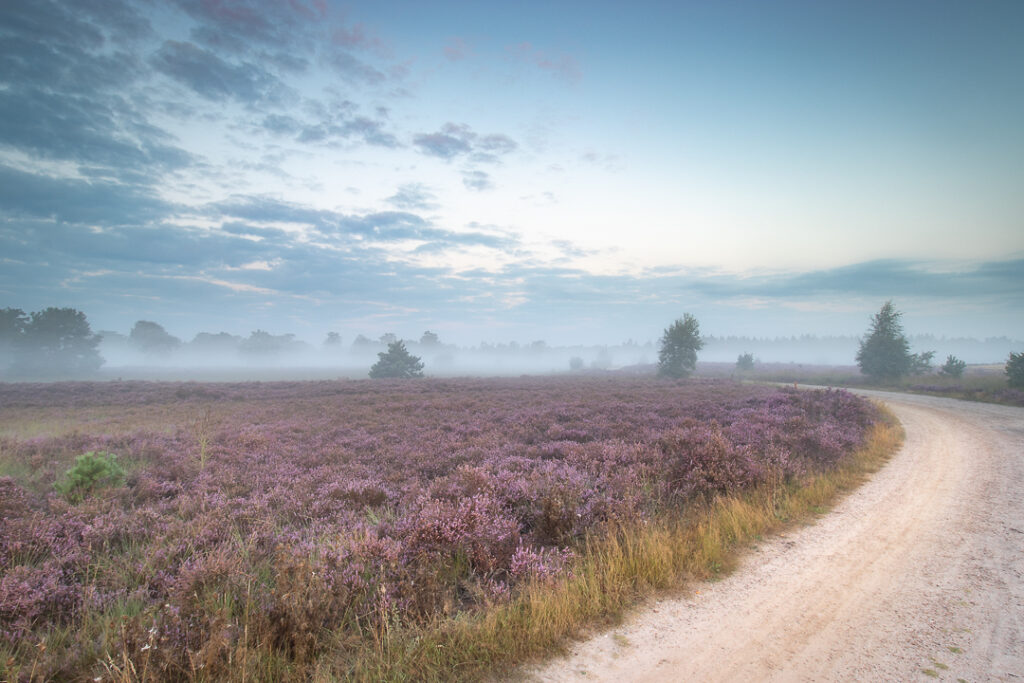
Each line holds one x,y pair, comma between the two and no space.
842,350
58,342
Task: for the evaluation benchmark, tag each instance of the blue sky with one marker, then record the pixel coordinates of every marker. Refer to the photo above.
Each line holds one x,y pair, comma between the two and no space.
572,172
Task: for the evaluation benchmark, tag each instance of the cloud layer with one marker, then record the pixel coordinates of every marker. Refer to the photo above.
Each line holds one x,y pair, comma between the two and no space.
232,165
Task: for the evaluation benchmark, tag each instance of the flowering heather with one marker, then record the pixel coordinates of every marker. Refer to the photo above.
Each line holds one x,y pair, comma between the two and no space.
271,514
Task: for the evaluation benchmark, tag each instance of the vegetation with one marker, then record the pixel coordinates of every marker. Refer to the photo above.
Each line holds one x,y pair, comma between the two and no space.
397,363
319,538
1015,370
55,342
677,355
884,354
745,362
953,367
92,471
150,337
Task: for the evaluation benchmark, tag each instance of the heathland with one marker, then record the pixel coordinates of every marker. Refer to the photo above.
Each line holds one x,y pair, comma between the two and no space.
370,529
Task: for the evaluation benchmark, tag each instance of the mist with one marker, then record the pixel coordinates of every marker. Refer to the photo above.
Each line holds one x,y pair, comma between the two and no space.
264,355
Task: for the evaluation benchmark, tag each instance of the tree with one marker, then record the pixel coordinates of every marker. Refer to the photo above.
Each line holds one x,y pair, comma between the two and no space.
430,339
953,367
396,362
262,343
1015,370
12,329
363,342
884,354
745,362
57,342
680,343
333,339
150,337
921,363
388,338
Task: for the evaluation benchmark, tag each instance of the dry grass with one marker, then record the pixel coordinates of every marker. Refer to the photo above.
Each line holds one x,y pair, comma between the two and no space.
615,572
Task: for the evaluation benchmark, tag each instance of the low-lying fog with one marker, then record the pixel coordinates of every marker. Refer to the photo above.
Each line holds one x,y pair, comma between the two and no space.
264,355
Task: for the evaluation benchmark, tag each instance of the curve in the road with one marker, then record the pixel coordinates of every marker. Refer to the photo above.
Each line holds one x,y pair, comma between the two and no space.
918,574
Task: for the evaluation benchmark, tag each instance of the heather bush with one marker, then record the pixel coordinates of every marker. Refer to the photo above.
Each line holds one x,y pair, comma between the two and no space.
312,509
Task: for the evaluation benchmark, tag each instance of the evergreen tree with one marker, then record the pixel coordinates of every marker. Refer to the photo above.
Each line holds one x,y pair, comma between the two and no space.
1015,370
953,367
884,354
396,362
680,343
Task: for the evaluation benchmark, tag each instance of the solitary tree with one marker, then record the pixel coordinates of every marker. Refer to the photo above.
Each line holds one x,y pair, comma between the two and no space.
430,339
745,362
396,362
680,343
1015,370
884,354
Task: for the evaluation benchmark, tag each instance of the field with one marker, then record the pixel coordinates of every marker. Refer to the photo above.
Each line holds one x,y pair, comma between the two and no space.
327,530
983,383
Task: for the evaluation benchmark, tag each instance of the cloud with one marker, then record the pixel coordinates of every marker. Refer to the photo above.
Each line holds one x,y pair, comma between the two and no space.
413,196
214,78
359,37
242,24
456,49
354,70
267,209
68,200
66,90
564,67
458,139
477,180
882,279
449,142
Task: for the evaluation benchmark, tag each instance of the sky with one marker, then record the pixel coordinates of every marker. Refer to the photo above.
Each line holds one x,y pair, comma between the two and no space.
577,172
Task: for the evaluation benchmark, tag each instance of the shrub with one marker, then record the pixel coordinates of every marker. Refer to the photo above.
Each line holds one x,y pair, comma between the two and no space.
1015,370
953,367
92,471
745,362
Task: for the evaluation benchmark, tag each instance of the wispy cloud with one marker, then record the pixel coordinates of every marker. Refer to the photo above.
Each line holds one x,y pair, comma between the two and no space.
459,140
214,78
477,180
456,49
562,66
414,196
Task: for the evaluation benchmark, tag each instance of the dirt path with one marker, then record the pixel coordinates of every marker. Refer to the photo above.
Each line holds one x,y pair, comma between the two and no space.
920,570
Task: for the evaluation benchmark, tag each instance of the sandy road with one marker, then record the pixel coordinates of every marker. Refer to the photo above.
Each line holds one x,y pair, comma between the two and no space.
922,568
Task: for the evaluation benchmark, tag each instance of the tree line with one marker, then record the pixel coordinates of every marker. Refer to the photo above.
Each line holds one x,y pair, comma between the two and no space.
58,342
